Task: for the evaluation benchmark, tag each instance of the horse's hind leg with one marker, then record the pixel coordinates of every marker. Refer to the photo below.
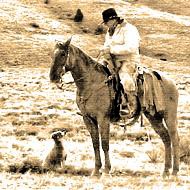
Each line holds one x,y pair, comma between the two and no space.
157,124
171,122
92,127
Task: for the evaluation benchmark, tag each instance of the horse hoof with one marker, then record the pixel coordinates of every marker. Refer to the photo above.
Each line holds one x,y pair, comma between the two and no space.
95,174
105,176
166,174
175,178
174,173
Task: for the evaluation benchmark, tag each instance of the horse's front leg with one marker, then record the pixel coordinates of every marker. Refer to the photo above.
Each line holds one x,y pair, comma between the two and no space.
104,125
92,127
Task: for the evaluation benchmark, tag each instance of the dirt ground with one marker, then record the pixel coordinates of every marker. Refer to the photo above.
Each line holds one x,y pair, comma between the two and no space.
31,107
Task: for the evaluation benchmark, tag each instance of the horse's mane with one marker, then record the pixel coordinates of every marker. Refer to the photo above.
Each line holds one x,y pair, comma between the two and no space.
88,60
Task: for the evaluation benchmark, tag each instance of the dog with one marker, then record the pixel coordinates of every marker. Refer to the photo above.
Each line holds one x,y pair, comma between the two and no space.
57,156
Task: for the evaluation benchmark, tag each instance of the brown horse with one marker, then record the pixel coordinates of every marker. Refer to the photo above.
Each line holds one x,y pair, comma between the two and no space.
95,103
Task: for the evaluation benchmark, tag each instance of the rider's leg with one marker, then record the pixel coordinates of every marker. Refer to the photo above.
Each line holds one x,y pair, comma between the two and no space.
126,74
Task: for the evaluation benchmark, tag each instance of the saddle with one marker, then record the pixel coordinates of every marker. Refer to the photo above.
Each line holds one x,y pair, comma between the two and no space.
149,93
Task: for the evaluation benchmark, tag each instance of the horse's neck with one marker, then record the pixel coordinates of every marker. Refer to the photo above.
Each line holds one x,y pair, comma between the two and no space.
83,71
82,77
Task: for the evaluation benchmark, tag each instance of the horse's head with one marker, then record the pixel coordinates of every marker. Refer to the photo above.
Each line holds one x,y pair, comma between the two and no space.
59,61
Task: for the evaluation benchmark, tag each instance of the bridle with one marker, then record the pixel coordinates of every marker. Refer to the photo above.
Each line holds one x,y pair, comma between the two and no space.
60,84
63,71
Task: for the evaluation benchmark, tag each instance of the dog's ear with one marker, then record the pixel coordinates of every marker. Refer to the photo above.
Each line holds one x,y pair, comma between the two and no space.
64,131
54,135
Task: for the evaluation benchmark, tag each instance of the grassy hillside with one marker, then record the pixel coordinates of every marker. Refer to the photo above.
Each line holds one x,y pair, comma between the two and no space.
31,108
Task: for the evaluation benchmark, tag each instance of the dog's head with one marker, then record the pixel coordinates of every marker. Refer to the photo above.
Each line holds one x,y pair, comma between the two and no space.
58,134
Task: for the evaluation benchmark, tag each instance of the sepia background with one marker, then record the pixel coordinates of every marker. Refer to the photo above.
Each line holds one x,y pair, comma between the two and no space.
31,107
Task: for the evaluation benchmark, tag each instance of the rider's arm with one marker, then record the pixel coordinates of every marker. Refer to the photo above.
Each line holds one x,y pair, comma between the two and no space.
131,42
106,47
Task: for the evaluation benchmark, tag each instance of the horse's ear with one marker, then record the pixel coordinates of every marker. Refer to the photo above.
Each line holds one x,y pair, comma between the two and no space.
59,44
68,41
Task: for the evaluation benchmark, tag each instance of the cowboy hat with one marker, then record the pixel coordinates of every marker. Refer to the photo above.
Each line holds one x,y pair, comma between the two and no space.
109,14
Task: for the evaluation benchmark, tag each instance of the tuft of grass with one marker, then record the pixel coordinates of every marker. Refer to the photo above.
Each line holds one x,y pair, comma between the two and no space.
127,154
25,132
114,136
1,156
156,154
17,123
32,164
20,133
185,149
71,170
135,136
43,120
17,147
2,101
86,157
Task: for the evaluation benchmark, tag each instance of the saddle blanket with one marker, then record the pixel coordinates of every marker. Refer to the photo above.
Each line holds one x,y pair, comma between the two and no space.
152,99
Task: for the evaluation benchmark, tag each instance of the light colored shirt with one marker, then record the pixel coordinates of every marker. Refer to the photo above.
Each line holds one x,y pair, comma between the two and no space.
124,43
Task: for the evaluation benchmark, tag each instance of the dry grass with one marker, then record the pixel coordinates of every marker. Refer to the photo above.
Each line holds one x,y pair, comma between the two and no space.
156,155
179,7
185,149
31,108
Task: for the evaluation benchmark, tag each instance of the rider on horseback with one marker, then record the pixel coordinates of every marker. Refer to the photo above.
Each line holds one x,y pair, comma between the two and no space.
121,51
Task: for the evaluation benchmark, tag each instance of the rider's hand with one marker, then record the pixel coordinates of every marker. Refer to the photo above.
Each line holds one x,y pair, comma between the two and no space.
105,51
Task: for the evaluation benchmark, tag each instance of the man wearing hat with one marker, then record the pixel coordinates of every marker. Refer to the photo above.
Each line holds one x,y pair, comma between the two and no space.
122,41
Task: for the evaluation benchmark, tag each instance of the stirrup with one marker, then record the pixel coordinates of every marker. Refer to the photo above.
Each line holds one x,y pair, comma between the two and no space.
124,109
124,112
